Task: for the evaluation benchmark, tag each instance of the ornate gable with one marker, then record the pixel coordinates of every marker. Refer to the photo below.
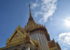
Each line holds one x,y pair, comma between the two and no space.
17,37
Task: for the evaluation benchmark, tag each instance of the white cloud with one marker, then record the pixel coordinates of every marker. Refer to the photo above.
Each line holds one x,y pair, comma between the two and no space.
34,5
65,37
65,49
67,22
46,9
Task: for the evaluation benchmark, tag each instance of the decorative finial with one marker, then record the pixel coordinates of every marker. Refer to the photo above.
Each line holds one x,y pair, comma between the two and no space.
29,7
30,16
29,10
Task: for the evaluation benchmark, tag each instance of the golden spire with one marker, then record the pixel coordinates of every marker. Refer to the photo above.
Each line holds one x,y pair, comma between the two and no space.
30,15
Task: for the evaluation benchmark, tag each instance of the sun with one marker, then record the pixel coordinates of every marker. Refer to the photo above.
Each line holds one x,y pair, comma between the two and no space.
67,22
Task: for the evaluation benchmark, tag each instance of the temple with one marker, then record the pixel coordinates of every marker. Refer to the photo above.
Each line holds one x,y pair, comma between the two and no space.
32,37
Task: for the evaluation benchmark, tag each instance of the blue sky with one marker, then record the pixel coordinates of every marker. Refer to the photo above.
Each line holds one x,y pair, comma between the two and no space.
53,14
